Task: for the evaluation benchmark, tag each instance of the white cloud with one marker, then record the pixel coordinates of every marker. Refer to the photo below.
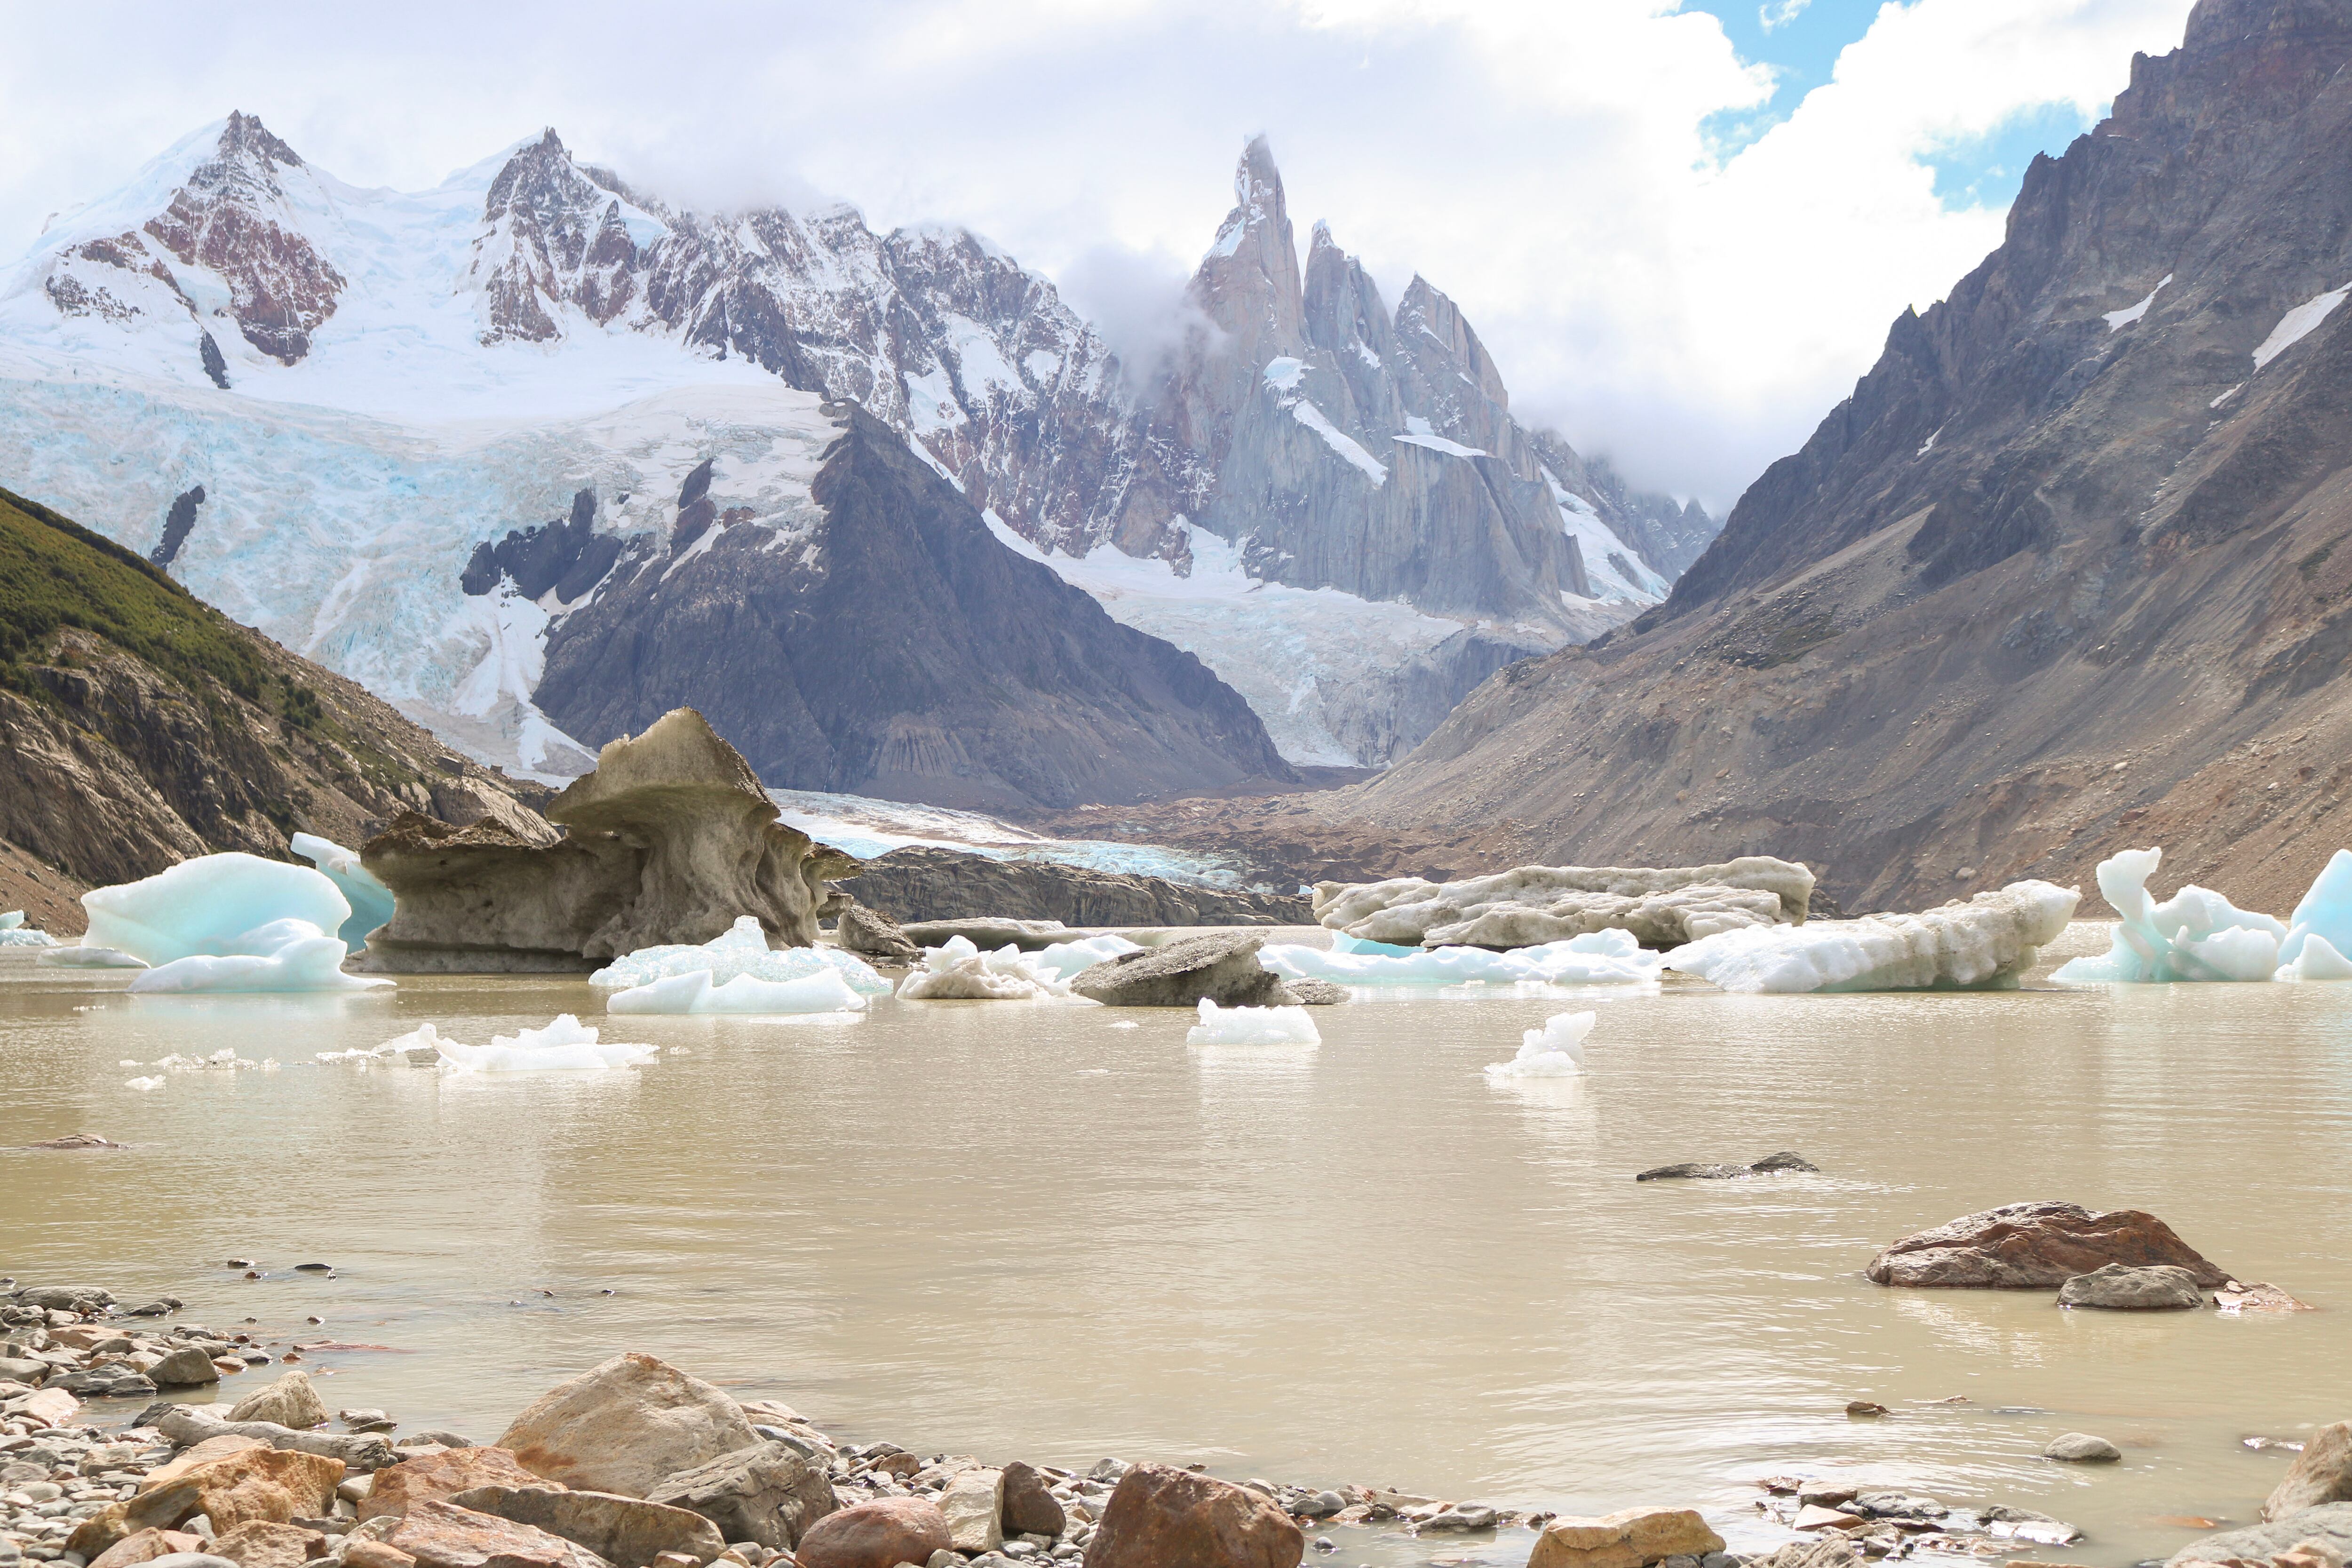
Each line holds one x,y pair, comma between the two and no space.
1775,14
1544,161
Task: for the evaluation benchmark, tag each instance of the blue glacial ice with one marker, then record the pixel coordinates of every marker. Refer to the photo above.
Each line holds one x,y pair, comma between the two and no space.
2318,944
15,933
1597,958
215,906
563,1045
2196,934
1252,1026
369,900
308,961
1988,941
742,949
1069,960
1556,1050
693,993
87,957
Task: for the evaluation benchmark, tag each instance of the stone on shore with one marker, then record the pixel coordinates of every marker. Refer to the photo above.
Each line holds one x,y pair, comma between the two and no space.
877,935
768,1493
2081,1447
626,1426
2321,1474
442,1475
879,1534
2120,1288
356,1451
973,1506
1831,1551
1222,966
2329,1523
626,1531
1631,1538
191,1560
439,1534
145,1546
200,1454
257,1543
2035,1246
290,1402
47,1407
1030,1505
1159,1517
275,1486
362,1554
183,1368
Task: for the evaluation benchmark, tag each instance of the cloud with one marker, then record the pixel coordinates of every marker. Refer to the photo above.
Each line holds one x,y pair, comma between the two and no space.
1777,13
1137,300
1545,162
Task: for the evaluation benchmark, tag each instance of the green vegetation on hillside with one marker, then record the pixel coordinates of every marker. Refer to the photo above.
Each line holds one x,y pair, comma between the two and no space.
56,573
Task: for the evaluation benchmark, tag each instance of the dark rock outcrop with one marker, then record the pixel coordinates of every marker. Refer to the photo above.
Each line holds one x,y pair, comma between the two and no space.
901,651
2119,1286
2036,1247
178,522
923,882
568,555
1221,967
1770,1165
670,839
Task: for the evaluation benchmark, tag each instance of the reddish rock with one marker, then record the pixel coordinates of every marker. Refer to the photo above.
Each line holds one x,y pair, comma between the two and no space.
1029,1506
443,1474
443,1535
272,1485
2321,1473
1165,1518
132,1550
256,1543
375,1554
2036,1247
879,1534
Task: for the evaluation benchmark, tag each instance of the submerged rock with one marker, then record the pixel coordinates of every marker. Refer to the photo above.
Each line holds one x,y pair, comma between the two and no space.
1531,905
2121,1288
1217,966
1770,1164
2035,1246
2081,1447
671,839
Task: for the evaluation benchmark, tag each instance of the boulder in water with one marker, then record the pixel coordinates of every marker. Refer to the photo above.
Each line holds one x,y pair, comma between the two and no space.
2036,1247
1217,966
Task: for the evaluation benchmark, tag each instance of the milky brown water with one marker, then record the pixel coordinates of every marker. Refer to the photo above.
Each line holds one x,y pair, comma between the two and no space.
1018,1231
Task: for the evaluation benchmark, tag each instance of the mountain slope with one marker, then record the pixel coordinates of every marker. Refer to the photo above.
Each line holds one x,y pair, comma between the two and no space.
138,727
2067,571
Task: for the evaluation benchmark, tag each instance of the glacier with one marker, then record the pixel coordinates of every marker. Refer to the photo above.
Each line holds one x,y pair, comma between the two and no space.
867,827
369,900
1556,1050
1608,957
1986,942
740,952
1252,1026
214,905
565,1045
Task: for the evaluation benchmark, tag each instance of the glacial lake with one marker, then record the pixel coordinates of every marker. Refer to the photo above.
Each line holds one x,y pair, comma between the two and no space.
1016,1230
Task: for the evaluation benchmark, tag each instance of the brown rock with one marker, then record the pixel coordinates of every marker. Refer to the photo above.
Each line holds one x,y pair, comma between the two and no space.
2258,1297
183,1368
767,1493
145,1544
1159,1517
626,1426
879,1534
1029,1506
273,1484
290,1402
1630,1538
442,1535
2036,1247
102,1532
2321,1473
1819,1516
259,1544
47,1407
375,1554
203,1453
629,1532
442,1474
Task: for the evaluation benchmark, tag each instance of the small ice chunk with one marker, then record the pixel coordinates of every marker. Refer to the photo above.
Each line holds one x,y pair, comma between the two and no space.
89,957
15,933
422,1038
1556,1050
565,1045
143,1084
307,963
1252,1026
369,900
1608,957
2317,961
12,918
2194,935
740,950
1988,941
215,906
824,992
1067,959
960,972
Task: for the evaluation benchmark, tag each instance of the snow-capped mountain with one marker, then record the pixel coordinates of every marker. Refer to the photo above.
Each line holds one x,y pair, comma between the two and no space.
373,389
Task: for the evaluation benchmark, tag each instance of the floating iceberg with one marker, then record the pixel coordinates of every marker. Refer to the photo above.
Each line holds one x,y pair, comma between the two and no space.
89,957
1067,959
2196,934
215,906
1556,1050
742,949
564,1046
960,972
2319,933
369,900
422,1038
1252,1026
306,962
824,992
15,933
142,1084
1988,941
1597,958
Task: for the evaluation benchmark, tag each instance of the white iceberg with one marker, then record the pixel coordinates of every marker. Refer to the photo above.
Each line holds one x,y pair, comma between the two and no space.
1988,941
1597,958
215,906
308,961
422,1038
142,1084
742,949
2196,934
2319,933
1252,1026
1069,960
1556,1050
89,957
960,972
824,992
564,1046
369,900
15,933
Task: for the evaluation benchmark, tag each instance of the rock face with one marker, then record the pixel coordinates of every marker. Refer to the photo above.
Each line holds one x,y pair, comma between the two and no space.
879,1534
626,1426
922,882
671,839
2329,1522
1223,969
2107,446
2036,1247
991,683
1530,905
2123,1287
1159,1517
442,1475
1629,1539
768,1493
628,1533
2321,1474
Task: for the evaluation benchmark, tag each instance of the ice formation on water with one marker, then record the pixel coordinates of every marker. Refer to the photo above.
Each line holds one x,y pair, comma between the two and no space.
89,957
2196,934
2318,944
960,972
823,991
1597,958
564,1046
142,1084
422,1038
1252,1026
369,900
15,933
740,950
303,963
225,1060
215,906
1067,959
1556,1050
1988,941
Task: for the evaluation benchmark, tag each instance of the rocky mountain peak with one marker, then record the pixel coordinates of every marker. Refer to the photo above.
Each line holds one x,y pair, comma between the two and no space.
1248,283
553,236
